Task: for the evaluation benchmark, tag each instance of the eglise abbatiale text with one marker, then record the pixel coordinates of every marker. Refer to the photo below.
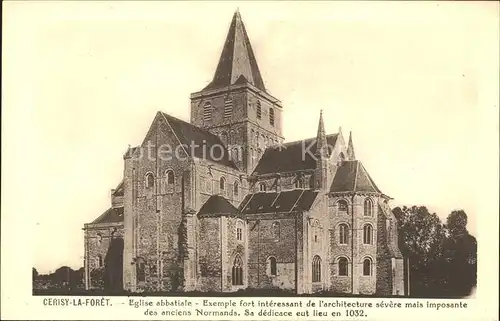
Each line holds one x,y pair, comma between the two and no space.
243,209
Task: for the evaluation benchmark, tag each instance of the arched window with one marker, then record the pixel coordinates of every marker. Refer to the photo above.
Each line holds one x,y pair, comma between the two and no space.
239,231
207,111
342,205
237,275
222,184
367,234
367,267
99,261
99,238
368,207
262,187
150,180
343,233
259,110
276,230
343,267
271,116
316,269
271,261
311,181
298,183
236,189
140,270
170,176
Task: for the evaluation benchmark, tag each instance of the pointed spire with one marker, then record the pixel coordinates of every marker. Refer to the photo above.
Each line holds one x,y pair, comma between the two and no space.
350,148
321,144
237,63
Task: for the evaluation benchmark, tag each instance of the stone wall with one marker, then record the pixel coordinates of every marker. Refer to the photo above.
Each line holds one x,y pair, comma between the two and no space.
266,241
355,251
97,239
209,254
154,213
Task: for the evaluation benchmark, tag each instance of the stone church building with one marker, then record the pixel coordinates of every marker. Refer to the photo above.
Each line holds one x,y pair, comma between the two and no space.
222,203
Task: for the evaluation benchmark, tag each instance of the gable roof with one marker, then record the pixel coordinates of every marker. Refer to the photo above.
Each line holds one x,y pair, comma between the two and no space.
289,156
217,205
111,215
278,202
204,141
237,63
352,176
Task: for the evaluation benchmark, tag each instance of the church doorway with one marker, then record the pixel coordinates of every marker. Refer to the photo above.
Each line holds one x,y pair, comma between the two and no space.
113,266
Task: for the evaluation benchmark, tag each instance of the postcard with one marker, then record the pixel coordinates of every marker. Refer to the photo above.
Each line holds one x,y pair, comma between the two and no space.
250,161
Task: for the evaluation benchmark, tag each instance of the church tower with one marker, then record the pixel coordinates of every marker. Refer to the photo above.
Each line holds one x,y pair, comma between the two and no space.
236,105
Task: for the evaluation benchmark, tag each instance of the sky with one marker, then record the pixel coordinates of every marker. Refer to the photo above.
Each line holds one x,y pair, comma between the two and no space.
415,82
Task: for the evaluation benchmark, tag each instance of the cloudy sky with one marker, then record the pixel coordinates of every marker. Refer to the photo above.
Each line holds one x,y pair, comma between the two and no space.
417,83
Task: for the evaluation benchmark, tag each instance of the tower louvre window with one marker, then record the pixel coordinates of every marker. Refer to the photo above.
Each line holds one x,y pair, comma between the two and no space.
259,110
271,116
207,111
228,108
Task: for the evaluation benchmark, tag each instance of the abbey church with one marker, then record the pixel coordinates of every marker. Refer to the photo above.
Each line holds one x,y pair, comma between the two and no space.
223,203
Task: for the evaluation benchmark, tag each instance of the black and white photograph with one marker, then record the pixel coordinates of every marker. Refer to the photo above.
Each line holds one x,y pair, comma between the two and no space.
281,151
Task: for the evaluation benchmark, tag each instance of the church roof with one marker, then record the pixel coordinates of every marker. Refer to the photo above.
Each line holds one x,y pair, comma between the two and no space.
237,63
119,190
291,156
111,215
217,205
273,202
352,176
205,141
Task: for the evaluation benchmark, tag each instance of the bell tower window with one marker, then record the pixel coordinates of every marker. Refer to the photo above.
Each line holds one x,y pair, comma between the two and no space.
228,108
259,110
207,111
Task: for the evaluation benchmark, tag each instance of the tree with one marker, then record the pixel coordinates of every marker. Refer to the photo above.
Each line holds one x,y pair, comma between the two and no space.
35,274
460,256
421,238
